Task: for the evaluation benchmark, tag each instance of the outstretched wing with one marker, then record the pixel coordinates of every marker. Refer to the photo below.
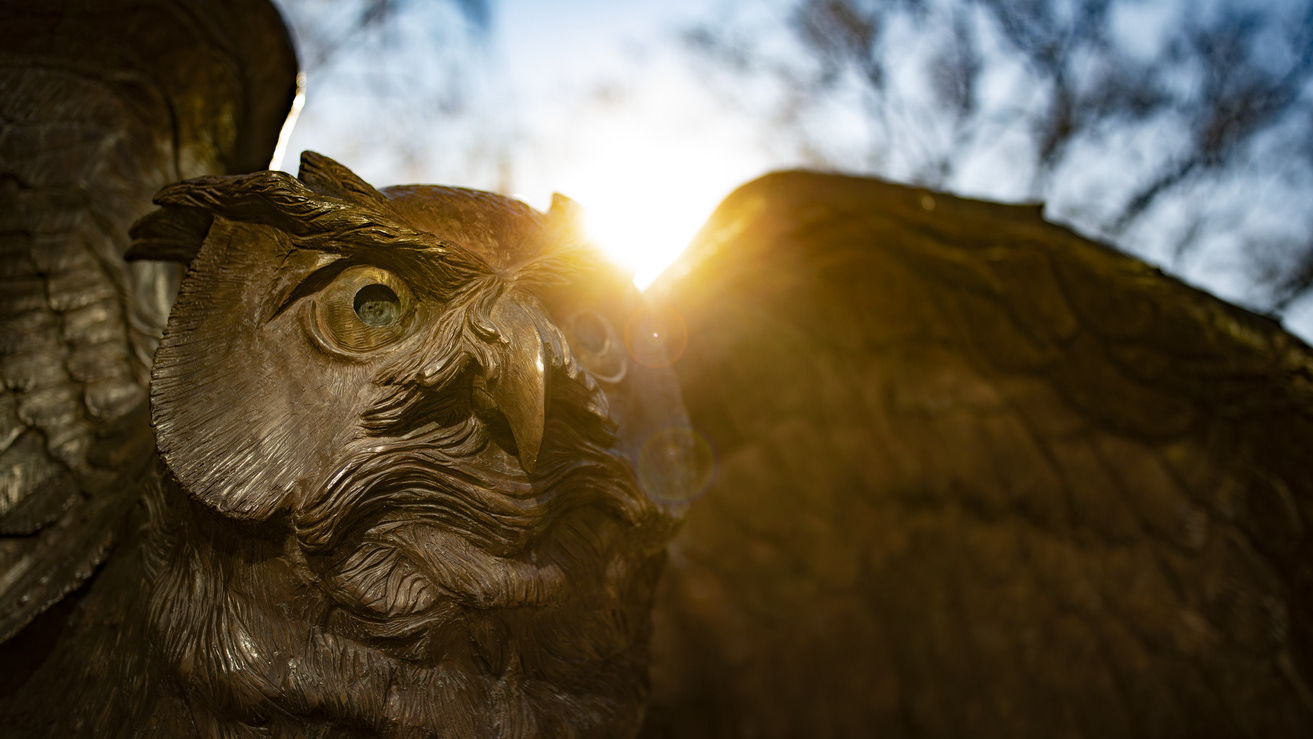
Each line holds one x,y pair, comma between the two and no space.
101,104
978,476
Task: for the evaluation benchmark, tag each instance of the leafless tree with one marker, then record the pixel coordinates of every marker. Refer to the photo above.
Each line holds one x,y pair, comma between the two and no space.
1180,130
391,86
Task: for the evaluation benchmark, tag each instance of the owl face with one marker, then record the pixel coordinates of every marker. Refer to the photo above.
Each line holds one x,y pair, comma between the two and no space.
427,385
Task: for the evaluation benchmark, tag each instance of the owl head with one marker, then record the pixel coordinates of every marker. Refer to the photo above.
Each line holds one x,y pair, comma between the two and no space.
426,387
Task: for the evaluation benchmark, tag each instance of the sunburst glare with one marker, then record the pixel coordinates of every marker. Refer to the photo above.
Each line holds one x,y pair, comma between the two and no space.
643,206
647,175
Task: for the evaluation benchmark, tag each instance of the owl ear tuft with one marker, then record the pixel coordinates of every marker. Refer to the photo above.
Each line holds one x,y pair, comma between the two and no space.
565,218
169,234
329,177
564,209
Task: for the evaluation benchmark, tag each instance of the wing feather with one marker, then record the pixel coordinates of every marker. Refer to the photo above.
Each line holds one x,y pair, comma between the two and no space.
977,476
101,105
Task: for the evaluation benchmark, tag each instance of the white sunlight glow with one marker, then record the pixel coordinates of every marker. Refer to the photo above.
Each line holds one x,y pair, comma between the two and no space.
643,202
646,174
642,242
642,207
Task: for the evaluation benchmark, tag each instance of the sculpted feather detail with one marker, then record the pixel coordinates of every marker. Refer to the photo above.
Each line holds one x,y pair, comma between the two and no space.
395,497
423,455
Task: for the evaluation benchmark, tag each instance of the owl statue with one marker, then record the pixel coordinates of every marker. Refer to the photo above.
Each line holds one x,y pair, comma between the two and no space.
295,456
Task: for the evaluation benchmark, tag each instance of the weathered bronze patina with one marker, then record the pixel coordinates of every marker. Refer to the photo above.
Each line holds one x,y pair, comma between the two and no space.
412,461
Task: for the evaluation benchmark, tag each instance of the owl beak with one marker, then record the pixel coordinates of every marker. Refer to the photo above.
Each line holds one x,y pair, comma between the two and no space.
520,390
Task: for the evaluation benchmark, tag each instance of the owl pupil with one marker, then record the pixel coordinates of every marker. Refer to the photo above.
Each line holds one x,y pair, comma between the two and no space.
377,305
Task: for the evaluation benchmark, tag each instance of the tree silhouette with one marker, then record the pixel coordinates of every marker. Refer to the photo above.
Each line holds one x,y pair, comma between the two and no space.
1177,129
394,82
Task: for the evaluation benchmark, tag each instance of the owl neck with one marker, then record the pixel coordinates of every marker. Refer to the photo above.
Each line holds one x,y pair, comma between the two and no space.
249,637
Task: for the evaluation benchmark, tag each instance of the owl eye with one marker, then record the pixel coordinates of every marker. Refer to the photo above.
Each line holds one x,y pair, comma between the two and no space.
376,305
594,343
363,309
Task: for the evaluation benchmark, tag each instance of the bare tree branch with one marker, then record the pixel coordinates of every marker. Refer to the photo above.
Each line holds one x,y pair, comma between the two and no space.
1205,89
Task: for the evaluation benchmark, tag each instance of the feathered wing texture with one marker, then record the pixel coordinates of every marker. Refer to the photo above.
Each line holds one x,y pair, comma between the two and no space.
977,476
101,104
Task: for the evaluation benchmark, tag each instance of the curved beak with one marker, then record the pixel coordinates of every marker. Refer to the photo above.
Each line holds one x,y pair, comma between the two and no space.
520,389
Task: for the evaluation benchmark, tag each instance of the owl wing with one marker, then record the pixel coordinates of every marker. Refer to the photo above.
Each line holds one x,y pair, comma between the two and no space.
102,104
977,476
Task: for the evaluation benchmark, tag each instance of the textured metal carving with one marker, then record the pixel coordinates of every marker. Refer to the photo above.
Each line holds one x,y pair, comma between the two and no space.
101,104
412,461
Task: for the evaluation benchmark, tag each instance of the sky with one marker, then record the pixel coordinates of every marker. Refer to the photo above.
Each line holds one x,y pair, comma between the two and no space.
589,100
600,101
645,188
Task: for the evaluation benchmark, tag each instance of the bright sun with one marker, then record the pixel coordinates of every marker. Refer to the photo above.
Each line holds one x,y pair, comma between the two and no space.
644,207
644,230
647,176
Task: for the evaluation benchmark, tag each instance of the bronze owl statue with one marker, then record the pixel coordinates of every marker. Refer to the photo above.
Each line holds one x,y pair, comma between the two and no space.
868,460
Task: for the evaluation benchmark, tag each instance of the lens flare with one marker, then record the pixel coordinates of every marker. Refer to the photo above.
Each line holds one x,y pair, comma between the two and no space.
676,465
656,337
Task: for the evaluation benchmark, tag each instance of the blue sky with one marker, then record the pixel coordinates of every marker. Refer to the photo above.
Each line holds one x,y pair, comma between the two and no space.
648,167
599,101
